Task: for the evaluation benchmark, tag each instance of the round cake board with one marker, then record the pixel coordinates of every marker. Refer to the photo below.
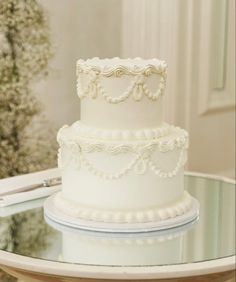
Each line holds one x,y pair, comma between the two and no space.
53,213
170,233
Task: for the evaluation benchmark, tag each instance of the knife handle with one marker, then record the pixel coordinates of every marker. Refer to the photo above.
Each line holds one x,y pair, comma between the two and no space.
52,182
45,183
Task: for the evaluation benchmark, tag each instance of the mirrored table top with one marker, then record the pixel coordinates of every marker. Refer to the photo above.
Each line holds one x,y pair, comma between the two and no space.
25,231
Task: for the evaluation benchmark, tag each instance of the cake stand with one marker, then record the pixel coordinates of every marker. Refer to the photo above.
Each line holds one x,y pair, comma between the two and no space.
33,249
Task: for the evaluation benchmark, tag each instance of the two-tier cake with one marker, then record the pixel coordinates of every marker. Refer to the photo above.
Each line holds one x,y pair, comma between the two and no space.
121,163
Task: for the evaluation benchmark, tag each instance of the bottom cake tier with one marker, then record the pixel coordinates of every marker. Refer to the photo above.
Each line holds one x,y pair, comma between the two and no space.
124,178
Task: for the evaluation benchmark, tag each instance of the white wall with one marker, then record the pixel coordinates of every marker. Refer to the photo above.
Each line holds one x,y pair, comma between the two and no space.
196,38
80,29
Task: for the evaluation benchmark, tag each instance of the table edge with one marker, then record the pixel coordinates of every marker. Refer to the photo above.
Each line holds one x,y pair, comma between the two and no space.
211,176
119,272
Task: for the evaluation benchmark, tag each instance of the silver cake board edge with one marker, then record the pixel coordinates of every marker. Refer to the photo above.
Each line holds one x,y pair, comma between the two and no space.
56,215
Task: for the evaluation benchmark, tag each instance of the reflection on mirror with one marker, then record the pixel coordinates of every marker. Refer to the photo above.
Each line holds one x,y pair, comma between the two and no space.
212,236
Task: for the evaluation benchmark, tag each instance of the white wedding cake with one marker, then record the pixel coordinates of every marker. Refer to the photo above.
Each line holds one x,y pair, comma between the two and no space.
121,163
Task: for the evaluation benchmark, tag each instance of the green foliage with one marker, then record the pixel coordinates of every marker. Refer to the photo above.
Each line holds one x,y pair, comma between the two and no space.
26,144
25,51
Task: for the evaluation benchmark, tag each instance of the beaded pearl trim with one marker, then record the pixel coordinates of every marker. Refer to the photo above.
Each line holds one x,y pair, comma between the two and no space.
119,135
139,165
78,131
148,215
138,87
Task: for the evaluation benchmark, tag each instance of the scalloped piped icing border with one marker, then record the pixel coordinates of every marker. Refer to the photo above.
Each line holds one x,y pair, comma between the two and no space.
140,69
77,148
118,67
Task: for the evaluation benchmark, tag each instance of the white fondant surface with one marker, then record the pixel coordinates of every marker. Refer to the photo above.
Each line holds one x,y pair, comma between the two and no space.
129,192
127,115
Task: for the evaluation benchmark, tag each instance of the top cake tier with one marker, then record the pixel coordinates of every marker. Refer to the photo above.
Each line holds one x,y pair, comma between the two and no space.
121,93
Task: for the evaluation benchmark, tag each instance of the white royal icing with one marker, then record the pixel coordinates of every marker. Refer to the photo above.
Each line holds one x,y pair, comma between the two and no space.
80,143
148,215
137,69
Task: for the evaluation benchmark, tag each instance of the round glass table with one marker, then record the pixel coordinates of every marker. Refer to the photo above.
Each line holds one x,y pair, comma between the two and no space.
34,248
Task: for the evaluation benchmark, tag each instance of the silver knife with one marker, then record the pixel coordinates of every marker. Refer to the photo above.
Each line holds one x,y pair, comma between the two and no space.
50,182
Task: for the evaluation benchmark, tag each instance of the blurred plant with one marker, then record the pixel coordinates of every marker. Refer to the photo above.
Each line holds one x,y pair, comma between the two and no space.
25,233
26,238
26,143
25,51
